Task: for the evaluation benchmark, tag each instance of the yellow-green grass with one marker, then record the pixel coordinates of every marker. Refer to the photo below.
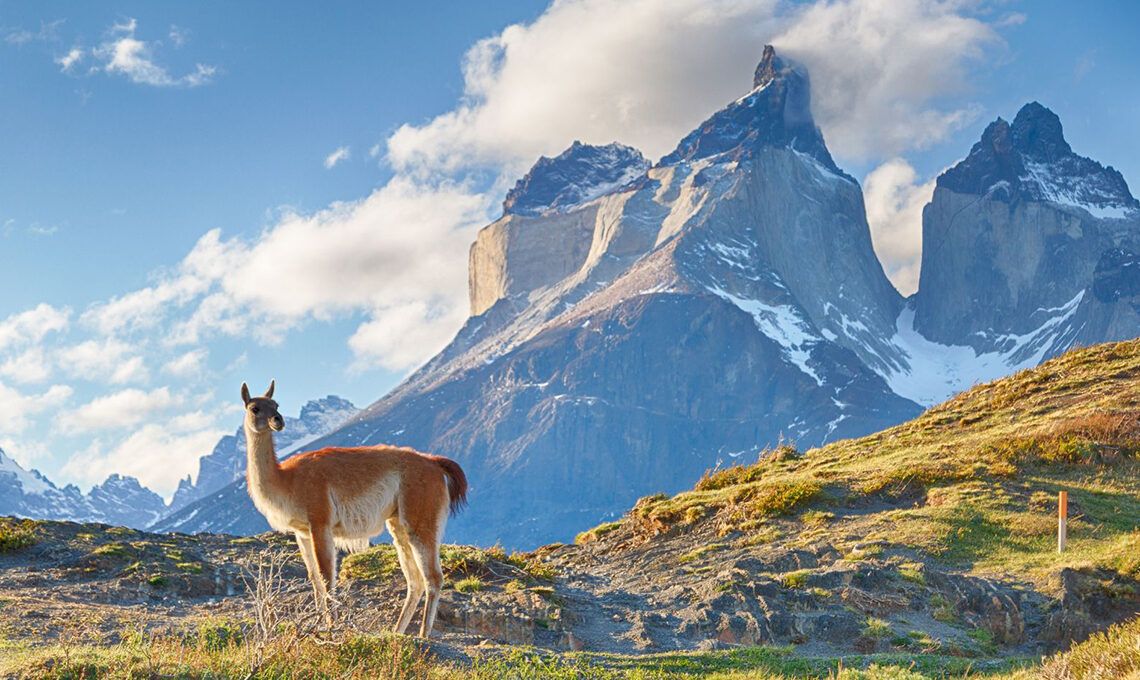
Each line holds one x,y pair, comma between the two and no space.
380,563
971,482
234,651
17,533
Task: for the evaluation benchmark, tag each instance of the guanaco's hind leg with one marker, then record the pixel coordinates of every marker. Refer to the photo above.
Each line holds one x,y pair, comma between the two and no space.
411,571
427,557
325,552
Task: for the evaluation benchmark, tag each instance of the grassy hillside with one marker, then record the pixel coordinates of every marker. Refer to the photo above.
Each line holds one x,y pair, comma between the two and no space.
971,483
914,534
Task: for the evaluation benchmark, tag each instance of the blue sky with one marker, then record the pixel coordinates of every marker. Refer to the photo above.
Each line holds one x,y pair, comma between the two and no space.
172,221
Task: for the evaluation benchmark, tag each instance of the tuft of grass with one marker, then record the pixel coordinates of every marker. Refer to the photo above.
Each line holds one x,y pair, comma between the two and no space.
158,581
471,584
598,532
699,553
913,573
17,533
795,579
817,518
942,610
190,567
378,563
876,628
1111,654
116,549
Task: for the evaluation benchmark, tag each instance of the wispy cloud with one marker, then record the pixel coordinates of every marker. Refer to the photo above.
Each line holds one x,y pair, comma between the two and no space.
49,32
32,325
124,54
17,408
341,154
104,359
73,57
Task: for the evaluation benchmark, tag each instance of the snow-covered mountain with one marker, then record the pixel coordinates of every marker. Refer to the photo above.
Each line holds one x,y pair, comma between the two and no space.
1027,250
633,325
226,463
118,500
623,341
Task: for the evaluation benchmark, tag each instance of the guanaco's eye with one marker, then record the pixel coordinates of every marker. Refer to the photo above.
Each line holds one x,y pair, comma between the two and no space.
255,410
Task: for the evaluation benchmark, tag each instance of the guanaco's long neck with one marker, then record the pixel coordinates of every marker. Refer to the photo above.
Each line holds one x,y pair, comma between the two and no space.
262,469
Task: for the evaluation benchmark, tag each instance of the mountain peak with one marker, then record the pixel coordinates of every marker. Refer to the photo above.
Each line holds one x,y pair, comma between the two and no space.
1037,132
1030,160
580,174
776,113
771,67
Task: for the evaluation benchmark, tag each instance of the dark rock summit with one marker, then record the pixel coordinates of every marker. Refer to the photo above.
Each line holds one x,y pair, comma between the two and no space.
577,175
776,113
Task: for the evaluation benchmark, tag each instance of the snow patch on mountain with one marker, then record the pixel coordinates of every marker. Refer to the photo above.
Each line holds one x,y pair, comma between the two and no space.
31,482
783,324
933,372
1085,192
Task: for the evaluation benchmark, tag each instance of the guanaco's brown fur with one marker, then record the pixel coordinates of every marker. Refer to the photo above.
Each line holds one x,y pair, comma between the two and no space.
342,497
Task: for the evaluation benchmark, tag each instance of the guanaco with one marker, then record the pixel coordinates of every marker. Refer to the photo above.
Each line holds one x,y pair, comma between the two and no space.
342,497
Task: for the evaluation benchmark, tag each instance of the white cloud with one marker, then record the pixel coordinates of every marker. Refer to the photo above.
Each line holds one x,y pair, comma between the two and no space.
341,154
401,249
121,409
24,452
879,71
158,455
402,336
17,408
107,359
895,198
73,57
186,365
30,366
178,35
146,307
645,72
128,56
32,325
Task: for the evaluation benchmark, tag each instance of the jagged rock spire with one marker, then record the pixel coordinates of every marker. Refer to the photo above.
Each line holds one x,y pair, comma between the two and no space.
777,113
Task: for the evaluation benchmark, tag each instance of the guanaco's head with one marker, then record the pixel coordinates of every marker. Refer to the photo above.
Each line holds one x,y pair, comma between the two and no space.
261,412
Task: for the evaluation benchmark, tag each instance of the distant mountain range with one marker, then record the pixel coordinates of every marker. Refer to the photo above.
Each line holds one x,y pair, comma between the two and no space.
122,500
634,324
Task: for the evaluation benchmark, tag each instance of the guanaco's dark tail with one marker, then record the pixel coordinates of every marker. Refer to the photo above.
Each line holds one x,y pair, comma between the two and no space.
456,482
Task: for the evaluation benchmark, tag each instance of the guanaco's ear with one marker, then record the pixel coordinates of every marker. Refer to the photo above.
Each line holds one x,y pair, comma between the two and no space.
245,393
269,392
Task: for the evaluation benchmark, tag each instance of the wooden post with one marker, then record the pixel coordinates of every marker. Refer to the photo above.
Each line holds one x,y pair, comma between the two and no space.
1062,520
